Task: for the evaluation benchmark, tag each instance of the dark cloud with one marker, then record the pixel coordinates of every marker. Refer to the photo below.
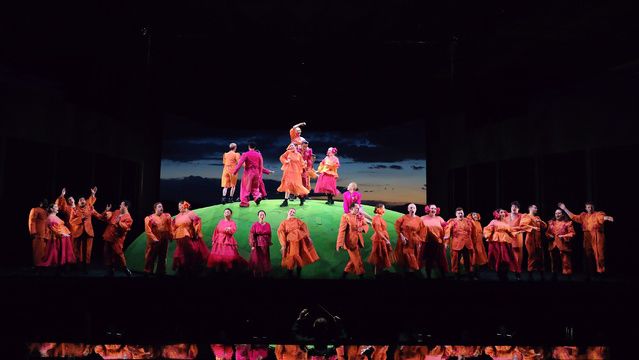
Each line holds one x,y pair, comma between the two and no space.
417,167
395,167
378,167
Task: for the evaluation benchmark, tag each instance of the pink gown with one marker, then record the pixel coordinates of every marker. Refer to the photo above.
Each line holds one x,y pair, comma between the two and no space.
224,251
59,249
327,180
253,168
260,239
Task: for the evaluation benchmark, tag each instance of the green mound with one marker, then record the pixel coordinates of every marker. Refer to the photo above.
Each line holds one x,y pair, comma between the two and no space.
322,220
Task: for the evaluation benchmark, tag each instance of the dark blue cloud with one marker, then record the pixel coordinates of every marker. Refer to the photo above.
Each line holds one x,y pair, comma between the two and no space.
417,167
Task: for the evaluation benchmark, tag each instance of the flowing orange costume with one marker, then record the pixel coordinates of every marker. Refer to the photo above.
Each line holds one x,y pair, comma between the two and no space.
229,160
594,238
38,231
296,241
560,233
158,235
350,236
514,219
414,231
81,226
479,256
500,236
381,255
462,235
379,352
179,351
534,227
293,165
290,352
118,225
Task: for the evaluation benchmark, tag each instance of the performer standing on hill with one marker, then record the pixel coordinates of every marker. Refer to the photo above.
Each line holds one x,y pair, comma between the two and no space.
191,252
229,177
459,232
411,233
119,223
592,223
38,232
534,227
157,227
433,251
560,232
296,134
253,169
514,218
292,168
353,196
309,159
350,237
297,246
381,256
479,255
260,242
224,254
327,181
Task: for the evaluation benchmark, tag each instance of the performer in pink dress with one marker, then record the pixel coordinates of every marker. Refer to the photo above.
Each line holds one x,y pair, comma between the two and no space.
433,251
327,181
224,255
59,249
253,169
191,252
260,241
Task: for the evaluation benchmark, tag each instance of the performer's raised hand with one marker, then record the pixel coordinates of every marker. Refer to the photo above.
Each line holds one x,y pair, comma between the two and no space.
94,190
108,207
562,206
609,218
63,192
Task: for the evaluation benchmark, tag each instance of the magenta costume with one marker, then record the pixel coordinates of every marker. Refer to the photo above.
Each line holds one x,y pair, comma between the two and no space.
224,251
253,168
349,198
251,352
260,241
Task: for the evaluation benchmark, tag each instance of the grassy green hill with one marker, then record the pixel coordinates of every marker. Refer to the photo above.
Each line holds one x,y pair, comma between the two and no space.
323,222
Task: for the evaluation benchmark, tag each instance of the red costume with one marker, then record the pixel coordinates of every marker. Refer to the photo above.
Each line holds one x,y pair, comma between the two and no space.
38,231
307,156
500,236
191,252
260,242
513,219
350,236
560,233
118,225
253,169
158,235
224,252
59,248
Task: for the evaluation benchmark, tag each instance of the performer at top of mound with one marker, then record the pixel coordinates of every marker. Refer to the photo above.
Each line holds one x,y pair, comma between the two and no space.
534,227
229,179
411,233
592,224
157,227
350,237
327,181
309,159
433,251
297,246
296,134
292,166
253,169
224,254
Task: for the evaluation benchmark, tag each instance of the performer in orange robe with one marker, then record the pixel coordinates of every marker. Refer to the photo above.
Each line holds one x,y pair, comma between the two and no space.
296,134
290,352
513,219
327,181
191,253
59,248
480,257
81,224
460,234
433,251
381,256
309,159
534,246
411,233
501,235
296,244
180,351
157,227
113,351
592,223
379,352
293,166
350,237
38,232
119,223
230,160
65,206
560,233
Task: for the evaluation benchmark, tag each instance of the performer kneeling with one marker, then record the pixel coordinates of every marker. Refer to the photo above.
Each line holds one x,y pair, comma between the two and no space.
297,246
191,252
224,255
350,237
560,232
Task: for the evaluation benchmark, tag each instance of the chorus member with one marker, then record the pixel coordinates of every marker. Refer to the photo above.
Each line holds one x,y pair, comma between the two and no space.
309,159
180,351
59,246
350,237
290,352
38,232
253,168
459,234
224,254
157,227
480,258
533,241
514,218
381,256
191,253
352,195
560,233
81,225
119,223
292,169
411,233
433,251
65,206
501,235
296,244
296,134
222,352
229,178
260,243
327,181
592,224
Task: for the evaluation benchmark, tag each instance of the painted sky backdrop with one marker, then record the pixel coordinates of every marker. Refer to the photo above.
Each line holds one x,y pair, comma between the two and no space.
389,164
